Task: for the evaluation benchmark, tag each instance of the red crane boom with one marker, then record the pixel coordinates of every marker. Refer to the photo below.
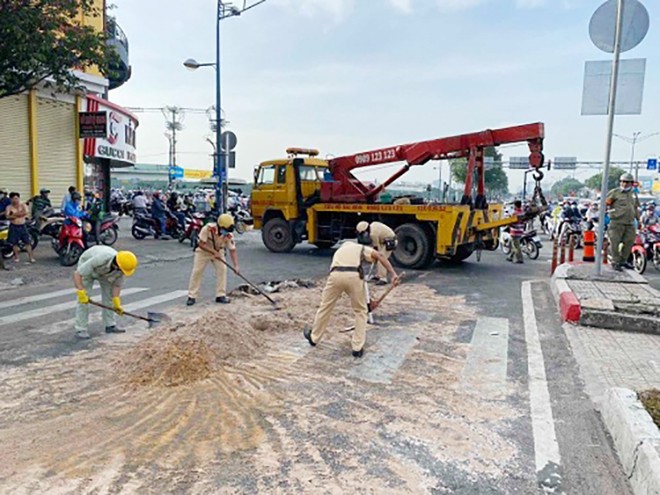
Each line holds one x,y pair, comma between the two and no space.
346,188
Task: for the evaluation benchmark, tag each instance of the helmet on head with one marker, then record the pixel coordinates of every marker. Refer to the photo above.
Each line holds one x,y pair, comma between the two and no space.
226,221
127,262
362,227
627,178
75,196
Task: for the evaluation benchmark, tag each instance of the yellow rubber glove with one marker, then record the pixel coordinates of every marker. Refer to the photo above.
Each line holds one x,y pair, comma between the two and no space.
83,297
116,304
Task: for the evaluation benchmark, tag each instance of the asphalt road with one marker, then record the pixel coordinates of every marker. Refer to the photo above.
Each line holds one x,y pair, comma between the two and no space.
562,448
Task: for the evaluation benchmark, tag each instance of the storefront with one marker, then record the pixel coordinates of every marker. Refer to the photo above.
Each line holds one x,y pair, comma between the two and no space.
115,150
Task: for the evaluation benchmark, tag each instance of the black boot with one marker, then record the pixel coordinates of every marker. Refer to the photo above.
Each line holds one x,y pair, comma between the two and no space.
190,301
222,300
114,329
358,354
307,332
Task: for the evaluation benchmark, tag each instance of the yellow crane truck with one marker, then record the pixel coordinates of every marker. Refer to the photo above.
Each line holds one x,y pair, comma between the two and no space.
306,198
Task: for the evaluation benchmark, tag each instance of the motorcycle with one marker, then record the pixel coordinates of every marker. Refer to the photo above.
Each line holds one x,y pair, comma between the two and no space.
70,245
6,249
647,246
242,219
194,224
530,243
568,229
48,223
145,225
108,231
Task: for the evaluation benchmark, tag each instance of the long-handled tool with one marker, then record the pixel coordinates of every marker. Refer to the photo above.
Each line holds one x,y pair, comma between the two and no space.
154,319
238,274
376,304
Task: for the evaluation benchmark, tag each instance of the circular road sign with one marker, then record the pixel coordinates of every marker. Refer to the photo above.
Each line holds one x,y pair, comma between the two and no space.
228,141
602,26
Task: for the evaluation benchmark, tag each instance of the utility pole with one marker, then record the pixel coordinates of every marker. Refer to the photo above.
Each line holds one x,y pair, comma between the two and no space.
636,138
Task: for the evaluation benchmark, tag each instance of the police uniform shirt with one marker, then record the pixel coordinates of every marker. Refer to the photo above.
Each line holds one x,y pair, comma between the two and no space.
209,235
351,255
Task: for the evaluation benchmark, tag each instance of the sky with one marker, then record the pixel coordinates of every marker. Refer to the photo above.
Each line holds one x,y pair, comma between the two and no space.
345,76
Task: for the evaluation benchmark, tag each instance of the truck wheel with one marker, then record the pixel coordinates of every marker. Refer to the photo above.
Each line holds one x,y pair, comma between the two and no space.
415,248
277,236
463,252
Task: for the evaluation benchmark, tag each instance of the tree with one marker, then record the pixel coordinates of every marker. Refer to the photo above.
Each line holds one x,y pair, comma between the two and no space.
44,39
596,181
566,187
497,182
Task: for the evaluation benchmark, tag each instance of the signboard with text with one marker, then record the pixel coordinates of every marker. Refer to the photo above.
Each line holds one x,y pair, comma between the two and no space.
119,142
93,124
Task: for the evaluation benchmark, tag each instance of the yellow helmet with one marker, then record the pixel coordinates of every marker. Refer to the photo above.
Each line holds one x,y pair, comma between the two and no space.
362,227
226,221
127,262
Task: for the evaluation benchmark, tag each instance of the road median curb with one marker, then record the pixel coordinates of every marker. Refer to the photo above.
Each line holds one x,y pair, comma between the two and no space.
636,438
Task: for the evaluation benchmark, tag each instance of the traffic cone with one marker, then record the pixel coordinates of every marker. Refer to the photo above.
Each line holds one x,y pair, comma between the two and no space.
589,253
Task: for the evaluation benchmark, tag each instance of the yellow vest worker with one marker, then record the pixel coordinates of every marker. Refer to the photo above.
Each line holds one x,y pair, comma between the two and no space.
346,278
213,241
383,240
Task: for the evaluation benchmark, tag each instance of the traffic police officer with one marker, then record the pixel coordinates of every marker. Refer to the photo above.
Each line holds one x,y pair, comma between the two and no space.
213,240
623,209
109,267
346,276
383,240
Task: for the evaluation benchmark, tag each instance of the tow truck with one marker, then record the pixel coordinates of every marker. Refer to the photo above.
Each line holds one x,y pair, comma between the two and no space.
306,198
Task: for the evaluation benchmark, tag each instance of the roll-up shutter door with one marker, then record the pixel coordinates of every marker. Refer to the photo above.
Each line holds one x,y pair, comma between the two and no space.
15,145
57,147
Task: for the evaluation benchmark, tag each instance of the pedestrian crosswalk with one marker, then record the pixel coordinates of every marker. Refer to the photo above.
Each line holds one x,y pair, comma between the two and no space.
31,308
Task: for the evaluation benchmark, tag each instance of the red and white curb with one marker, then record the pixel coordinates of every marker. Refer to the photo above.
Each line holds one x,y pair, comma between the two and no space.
569,305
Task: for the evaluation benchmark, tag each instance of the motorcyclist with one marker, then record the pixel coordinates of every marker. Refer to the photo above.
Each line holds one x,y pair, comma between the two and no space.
592,215
158,214
649,217
73,208
174,206
40,203
4,202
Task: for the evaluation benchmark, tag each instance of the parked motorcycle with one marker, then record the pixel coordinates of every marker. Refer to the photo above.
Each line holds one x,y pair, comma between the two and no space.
144,226
242,219
48,223
530,243
5,248
69,245
194,224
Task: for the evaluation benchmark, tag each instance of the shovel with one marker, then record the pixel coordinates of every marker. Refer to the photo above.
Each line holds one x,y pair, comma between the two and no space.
154,319
274,303
378,303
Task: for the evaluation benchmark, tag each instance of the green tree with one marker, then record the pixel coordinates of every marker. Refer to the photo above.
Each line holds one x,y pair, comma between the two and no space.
596,181
497,182
43,39
566,187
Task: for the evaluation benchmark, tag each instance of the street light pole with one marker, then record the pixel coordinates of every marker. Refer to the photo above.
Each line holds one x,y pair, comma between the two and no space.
221,170
637,138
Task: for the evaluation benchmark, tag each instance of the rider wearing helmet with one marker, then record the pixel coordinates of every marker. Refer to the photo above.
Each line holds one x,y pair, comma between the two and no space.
108,267
649,217
623,209
40,202
214,240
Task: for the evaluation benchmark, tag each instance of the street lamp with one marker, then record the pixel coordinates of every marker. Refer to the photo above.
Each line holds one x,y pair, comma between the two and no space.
224,11
637,138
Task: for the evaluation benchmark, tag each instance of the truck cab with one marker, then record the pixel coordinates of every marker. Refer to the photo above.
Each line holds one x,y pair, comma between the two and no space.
283,190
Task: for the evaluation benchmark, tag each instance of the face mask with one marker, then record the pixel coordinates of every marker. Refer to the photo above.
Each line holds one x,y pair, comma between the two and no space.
626,188
226,232
364,238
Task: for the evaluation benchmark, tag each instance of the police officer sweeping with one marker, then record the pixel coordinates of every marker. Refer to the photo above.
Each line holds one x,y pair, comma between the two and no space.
213,241
383,240
346,277
108,267
623,209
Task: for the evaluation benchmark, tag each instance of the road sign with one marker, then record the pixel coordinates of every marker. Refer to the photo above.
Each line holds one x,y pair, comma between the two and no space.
565,163
228,141
629,92
652,164
231,159
176,173
634,27
519,162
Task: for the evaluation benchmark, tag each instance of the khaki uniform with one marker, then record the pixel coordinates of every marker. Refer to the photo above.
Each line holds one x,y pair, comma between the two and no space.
216,242
379,234
349,255
623,212
96,264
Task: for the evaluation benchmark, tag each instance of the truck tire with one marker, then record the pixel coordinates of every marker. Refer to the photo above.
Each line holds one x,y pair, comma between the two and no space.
277,236
463,252
415,248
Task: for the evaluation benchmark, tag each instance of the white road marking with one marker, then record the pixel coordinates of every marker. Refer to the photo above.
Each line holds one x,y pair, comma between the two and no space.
153,301
36,298
485,368
35,313
546,448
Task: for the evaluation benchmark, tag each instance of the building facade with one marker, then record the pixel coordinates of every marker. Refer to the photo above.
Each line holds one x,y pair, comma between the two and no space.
40,145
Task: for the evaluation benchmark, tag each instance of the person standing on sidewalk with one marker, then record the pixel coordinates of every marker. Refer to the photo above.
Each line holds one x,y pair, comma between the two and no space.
516,231
17,213
213,241
108,267
623,209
